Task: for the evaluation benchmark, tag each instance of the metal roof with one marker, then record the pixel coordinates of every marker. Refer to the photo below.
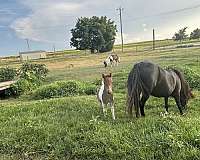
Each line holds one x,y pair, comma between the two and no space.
30,52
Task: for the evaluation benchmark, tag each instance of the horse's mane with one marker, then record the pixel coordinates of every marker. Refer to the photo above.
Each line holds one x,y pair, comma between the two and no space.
184,85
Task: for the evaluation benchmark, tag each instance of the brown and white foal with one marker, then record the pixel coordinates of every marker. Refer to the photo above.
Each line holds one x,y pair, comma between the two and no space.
105,94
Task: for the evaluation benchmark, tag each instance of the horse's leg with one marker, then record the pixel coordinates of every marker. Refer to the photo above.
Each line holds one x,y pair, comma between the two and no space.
111,63
112,110
166,104
142,103
103,108
178,103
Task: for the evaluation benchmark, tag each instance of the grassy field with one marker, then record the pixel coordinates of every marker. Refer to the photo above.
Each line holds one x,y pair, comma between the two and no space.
72,128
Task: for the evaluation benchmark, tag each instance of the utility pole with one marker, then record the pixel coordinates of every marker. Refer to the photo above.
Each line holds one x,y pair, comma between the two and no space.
120,9
28,46
54,48
153,39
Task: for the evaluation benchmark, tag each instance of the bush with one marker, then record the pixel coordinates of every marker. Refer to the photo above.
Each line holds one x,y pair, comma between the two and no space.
64,88
7,74
20,87
192,77
30,77
38,70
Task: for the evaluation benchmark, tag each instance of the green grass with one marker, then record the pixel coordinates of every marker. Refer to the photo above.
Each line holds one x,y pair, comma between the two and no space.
73,128
70,128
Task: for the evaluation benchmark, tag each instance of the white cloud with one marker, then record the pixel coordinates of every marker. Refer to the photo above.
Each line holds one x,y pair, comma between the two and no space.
144,25
50,21
47,22
128,38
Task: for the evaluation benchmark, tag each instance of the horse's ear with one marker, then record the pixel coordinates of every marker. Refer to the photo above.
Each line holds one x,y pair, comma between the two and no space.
110,74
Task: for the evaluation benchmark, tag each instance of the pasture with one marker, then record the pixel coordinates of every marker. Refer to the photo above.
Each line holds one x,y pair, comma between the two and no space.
72,128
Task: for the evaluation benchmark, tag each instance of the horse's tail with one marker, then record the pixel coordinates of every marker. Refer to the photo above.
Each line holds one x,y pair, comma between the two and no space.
134,91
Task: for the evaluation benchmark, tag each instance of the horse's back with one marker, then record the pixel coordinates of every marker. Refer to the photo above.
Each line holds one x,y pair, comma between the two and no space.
157,81
148,73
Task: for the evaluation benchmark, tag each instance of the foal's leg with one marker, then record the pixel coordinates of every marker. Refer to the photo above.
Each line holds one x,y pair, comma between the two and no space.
166,104
103,108
112,110
178,103
142,103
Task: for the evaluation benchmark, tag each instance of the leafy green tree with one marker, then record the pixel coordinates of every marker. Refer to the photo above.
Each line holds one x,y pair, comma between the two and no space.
95,33
180,35
195,34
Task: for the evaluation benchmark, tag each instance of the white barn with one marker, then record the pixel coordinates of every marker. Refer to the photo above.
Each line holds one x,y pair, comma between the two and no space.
29,55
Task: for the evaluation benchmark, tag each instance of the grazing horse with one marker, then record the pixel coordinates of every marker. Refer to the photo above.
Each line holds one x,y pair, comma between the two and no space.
105,94
147,79
112,59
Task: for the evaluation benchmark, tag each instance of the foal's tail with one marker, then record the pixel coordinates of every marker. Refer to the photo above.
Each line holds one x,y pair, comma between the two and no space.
134,91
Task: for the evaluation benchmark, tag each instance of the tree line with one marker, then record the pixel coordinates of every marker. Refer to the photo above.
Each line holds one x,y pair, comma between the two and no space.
181,34
97,34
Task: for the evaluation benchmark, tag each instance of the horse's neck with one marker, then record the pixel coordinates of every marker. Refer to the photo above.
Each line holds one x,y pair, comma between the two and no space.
103,88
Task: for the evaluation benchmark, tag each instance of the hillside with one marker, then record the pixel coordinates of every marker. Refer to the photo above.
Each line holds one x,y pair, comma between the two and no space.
72,128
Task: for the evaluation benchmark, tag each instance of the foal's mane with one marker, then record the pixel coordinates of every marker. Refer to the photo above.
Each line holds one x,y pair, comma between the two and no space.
184,85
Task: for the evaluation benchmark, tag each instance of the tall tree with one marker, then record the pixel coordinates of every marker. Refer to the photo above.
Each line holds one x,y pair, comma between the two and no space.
95,33
180,35
195,34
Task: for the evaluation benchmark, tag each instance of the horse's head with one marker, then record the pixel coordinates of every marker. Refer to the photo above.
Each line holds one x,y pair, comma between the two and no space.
107,79
186,92
186,96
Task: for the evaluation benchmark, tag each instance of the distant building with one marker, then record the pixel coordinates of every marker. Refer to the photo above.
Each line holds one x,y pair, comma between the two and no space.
29,55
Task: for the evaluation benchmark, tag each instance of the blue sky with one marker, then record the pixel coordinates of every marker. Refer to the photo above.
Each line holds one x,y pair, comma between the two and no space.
48,22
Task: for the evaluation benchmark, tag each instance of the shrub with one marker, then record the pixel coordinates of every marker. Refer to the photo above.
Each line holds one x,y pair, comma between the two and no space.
7,74
192,77
20,87
64,88
30,77
89,89
38,70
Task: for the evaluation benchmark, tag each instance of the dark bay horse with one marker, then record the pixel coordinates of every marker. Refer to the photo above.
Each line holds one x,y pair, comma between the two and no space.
147,79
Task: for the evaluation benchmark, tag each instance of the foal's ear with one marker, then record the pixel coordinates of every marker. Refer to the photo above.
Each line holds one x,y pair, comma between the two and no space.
110,74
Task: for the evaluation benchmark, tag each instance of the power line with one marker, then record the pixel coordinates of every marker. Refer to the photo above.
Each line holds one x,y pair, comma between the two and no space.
165,13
